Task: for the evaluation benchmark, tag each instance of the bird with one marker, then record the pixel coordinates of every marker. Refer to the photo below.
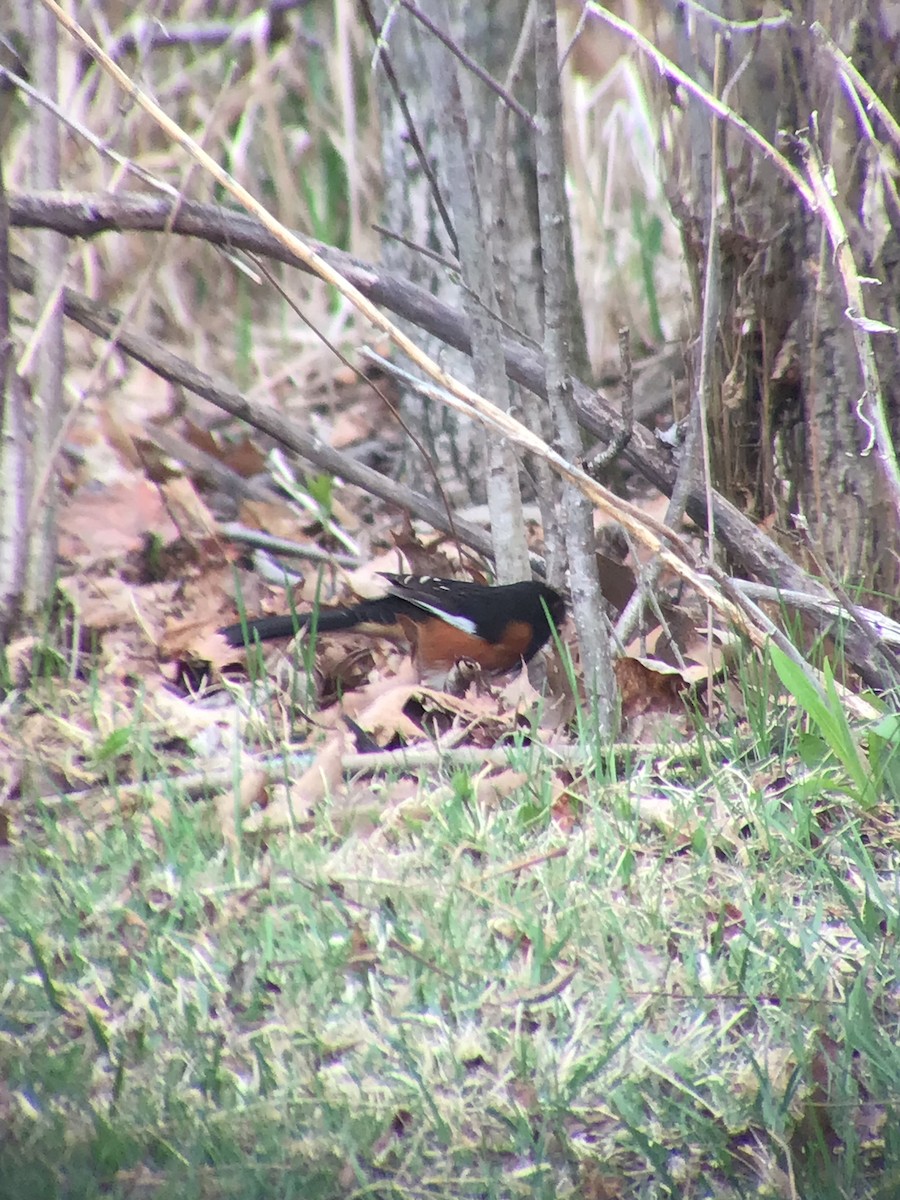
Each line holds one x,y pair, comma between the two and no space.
447,621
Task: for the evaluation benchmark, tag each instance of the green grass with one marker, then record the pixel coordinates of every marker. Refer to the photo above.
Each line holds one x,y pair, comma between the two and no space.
689,990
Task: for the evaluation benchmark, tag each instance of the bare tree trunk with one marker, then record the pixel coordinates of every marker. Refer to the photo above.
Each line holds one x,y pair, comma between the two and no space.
503,146
787,436
13,442
471,191
50,257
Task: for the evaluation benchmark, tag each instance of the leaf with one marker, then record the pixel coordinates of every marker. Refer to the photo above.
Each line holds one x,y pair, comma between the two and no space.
827,713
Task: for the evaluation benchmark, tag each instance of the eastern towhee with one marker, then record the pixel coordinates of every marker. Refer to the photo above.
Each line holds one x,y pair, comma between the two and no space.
445,620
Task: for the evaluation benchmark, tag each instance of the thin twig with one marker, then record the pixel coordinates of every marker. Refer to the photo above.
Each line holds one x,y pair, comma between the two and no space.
876,624
597,459
427,458
100,145
695,453
752,26
150,33
449,264
221,775
850,609
277,545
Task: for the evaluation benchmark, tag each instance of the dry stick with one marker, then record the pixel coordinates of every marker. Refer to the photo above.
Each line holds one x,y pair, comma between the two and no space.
856,705
734,27
600,455
870,407
696,447
685,480
644,593
453,268
880,626
879,160
573,40
100,145
414,758
207,467
104,322
578,531
278,545
149,33
449,264
848,606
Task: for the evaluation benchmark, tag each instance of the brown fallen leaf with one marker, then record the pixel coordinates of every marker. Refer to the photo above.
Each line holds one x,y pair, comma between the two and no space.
646,686
113,522
110,602
252,793
323,779
494,786
242,456
195,522
385,718
277,519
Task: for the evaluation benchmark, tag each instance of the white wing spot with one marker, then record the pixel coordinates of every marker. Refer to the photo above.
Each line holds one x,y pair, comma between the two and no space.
464,623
